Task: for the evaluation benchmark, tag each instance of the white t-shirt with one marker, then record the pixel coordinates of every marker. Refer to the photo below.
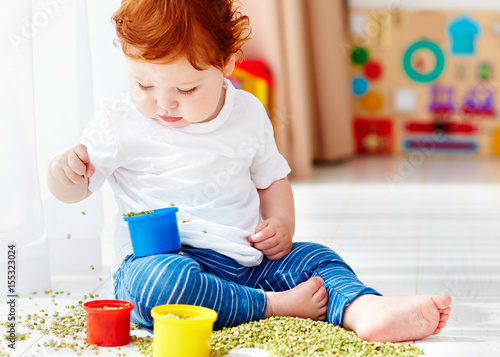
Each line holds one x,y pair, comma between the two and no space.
211,171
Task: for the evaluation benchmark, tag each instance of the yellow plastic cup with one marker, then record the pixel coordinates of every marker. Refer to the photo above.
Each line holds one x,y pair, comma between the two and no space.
174,337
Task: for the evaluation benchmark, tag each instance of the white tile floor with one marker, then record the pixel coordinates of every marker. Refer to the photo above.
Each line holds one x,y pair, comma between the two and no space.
406,227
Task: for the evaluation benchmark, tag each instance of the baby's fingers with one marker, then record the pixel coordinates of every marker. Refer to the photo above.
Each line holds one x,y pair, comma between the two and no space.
76,165
83,155
261,236
73,177
62,176
266,245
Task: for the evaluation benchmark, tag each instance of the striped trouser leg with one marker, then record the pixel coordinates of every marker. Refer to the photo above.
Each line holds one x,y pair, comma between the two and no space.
193,276
305,261
206,278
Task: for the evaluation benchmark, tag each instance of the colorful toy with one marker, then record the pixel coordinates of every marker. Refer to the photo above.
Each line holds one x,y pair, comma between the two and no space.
253,76
359,86
182,330
440,125
463,32
154,233
495,142
484,71
445,85
372,101
359,55
373,136
440,145
442,100
413,71
373,70
479,101
108,322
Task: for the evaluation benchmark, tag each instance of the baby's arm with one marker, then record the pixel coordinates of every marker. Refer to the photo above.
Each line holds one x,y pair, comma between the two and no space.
273,236
68,173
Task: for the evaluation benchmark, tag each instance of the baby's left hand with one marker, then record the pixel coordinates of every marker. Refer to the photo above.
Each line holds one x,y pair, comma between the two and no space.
272,237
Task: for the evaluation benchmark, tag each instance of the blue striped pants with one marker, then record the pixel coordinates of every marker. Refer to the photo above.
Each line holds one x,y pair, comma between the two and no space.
237,293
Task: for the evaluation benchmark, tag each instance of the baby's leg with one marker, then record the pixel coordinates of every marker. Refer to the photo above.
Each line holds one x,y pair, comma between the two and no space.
309,279
373,317
307,300
181,279
397,318
340,281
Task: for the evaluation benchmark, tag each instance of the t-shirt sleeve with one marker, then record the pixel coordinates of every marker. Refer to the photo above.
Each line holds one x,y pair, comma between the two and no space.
99,138
268,164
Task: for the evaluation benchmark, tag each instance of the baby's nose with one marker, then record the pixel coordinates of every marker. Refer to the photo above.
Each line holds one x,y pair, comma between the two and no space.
167,102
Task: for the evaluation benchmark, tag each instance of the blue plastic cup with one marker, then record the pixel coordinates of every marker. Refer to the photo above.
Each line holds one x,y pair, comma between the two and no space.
154,233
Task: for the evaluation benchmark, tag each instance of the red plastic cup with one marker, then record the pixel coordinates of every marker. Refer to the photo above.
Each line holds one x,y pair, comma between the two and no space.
108,327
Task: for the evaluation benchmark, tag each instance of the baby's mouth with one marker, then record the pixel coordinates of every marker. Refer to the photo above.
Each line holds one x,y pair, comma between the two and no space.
169,119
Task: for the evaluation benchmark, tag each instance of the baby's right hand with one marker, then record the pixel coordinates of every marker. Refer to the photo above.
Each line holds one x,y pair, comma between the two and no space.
73,167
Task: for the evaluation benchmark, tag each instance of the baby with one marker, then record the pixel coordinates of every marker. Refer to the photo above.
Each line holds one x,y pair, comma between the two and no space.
184,135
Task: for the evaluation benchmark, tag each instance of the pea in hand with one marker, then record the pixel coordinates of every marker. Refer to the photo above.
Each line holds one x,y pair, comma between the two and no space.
68,173
273,238
72,167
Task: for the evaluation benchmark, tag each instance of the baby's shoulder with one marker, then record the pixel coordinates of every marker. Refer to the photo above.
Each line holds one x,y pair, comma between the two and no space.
249,111
247,99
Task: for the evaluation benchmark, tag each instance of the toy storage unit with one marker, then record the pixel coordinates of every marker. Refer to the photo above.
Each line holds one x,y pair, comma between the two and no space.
425,80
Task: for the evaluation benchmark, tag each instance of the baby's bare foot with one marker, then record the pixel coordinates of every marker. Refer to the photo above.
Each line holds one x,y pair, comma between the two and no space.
397,318
306,300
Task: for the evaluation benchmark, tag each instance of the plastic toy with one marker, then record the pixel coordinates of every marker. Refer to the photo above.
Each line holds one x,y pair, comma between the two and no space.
463,32
442,100
440,125
154,233
440,144
495,142
359,86
182,337
479,101
373,70
359,55
373,136
372,101
413,71
108,322
484,71
253,76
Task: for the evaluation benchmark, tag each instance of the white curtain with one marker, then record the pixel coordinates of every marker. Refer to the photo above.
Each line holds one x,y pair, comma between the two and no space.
57,60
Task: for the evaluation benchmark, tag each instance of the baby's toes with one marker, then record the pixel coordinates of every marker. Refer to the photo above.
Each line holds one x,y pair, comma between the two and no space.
321,296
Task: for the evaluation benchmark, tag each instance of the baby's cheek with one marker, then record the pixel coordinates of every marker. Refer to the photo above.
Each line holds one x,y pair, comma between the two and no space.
138,96
145,107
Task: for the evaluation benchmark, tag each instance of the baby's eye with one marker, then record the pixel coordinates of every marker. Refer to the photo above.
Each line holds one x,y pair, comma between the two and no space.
188,91
143,87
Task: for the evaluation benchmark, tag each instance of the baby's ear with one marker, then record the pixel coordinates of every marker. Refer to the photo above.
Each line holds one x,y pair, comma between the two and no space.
229,65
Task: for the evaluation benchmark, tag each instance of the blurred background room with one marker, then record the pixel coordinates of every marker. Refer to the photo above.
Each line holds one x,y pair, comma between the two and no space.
386,111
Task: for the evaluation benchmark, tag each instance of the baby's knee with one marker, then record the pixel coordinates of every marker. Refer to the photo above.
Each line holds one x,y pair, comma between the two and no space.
161,277
159,280
319,251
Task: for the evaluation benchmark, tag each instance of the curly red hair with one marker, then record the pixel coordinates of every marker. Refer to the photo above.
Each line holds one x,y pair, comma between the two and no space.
207,32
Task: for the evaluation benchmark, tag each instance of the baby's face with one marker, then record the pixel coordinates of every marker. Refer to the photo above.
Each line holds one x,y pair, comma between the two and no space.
176,94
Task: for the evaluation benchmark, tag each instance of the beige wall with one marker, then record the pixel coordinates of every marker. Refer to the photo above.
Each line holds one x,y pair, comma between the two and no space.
302,43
